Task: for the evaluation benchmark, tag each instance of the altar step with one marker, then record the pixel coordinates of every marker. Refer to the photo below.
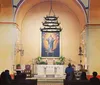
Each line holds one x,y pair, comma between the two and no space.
50,80
49,83
50,76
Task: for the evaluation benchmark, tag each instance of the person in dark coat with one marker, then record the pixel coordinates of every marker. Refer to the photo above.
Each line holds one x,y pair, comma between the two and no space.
94,80
69,72
83,76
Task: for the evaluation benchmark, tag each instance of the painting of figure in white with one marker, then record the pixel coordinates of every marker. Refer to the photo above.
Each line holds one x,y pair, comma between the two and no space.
50,44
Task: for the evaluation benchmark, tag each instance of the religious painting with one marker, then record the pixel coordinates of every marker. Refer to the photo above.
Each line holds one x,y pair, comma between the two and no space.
50,44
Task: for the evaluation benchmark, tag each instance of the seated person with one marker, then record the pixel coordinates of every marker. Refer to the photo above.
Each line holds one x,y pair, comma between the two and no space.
83,76
8,77
94,80
5,78
17,76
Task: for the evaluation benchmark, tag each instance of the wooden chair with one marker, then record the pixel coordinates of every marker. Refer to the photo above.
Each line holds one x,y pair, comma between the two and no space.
27,70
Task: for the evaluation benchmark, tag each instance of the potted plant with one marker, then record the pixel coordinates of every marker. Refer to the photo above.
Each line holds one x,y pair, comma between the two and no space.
43,63
40,61
60,61
18,66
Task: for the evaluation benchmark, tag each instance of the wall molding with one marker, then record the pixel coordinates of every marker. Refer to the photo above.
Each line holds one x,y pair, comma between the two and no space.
13,23
92,25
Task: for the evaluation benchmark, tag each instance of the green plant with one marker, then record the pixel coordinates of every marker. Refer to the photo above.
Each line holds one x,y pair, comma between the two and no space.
39,59
62,59
58,63
18,66
42,62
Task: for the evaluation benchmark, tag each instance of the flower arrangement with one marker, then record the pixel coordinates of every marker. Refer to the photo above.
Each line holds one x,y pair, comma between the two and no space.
40,61
60,61
18,66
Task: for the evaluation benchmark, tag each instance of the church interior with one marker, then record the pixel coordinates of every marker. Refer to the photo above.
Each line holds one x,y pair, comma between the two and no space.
46,35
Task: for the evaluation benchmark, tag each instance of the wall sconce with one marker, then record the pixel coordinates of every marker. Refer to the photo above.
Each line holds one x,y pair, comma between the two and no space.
80,54
19,49
21,52
80,51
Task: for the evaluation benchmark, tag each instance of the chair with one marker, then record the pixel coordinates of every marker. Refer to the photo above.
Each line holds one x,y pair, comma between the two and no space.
27,70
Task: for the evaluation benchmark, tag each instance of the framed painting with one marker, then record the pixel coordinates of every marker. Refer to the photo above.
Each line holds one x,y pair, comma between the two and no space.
50,44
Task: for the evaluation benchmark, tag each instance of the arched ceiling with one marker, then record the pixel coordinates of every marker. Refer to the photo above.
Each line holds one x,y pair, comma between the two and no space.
73,5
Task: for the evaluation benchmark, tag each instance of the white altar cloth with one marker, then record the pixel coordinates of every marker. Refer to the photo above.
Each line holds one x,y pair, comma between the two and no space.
50,70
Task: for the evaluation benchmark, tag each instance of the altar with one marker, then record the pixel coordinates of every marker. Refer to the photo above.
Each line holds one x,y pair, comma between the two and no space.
50,70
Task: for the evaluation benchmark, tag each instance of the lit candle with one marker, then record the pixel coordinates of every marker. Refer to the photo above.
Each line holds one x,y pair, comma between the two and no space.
53,60
46,60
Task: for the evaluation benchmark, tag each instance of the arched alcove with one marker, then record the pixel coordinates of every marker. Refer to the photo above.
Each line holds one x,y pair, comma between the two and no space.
29,17
72,5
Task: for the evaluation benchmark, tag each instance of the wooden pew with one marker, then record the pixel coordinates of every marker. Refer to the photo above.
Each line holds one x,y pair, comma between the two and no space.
77,82
25,82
